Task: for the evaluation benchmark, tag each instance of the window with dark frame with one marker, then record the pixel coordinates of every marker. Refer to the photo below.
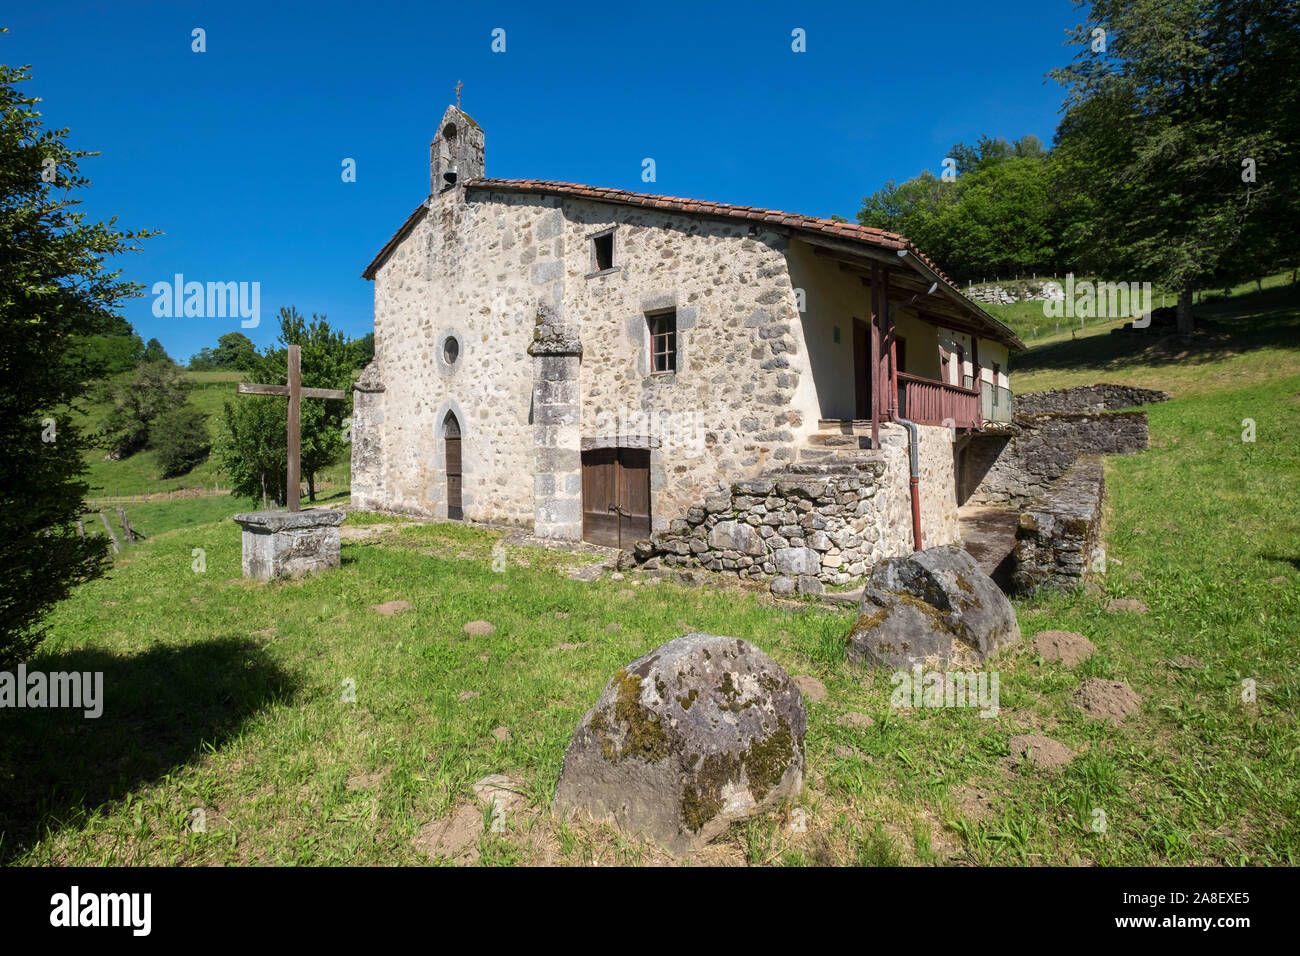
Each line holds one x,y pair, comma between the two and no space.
602,252
995,384
663,341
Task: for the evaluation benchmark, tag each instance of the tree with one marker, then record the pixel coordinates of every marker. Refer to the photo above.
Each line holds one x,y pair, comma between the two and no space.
252,446
154,352
180,439
116,351
1001,223
363,349
1182,133
327,362
235,351
252,443
155,388
55,293
997,217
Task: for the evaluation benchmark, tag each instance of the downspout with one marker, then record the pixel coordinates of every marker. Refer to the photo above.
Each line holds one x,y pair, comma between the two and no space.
913,438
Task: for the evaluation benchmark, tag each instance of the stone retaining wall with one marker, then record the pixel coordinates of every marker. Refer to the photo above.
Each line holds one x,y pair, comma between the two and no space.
1016,468
1088,398
811,530
1059,531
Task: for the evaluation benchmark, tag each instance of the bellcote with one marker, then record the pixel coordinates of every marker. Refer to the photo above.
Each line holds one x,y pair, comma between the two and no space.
456,152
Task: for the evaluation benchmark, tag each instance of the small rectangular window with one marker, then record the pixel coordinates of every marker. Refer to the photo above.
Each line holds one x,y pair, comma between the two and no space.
602,252
663,341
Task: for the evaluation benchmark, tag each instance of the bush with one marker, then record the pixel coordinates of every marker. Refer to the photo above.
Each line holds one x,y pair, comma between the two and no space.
180,439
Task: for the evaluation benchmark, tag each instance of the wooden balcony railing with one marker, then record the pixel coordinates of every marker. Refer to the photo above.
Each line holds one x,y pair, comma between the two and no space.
927,402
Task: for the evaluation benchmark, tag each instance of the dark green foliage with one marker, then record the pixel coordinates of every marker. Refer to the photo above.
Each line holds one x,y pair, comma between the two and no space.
115,351
1157,129
252,446
154,352
180,440
235,351
363,350
155,388
996,218
55,296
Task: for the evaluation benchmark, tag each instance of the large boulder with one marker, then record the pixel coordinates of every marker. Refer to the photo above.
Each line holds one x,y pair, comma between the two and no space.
700,732
934,607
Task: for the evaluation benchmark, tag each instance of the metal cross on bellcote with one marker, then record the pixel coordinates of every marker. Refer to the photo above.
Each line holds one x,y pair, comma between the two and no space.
296,394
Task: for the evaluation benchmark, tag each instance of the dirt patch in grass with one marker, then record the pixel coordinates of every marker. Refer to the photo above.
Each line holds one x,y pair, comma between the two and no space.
974,803
1109,700
364,781
1040,751
1065,647
454,837
389,608
1127,605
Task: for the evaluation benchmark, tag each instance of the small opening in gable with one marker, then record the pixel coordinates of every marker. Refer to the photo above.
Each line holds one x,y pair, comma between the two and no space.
603,252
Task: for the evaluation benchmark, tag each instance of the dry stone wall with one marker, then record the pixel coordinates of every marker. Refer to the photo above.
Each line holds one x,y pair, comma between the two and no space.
1088,398
1059,531
804,528
1015,468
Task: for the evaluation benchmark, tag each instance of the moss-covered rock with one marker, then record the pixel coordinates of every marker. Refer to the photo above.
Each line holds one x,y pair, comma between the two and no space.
934,607
700,732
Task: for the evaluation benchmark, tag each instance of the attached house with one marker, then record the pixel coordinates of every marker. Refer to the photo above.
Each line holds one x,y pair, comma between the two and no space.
595,364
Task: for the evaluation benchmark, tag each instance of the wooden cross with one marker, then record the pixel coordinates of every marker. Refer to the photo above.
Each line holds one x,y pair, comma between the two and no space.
296,394
459,86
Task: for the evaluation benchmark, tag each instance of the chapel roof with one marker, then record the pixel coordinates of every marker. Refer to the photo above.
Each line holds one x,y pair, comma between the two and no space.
850,232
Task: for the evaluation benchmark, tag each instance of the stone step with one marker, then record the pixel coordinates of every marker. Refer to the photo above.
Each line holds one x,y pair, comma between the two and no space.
851,454
845,426
833,440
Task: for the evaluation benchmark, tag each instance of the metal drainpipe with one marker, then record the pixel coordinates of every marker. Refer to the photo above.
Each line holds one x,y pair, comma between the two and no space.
913,440
913,456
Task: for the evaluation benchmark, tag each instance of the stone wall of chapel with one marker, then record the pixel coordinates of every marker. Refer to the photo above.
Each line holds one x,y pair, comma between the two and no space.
733,408
465,272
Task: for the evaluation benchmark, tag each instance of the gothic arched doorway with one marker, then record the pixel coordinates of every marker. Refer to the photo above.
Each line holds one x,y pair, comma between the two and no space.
451,448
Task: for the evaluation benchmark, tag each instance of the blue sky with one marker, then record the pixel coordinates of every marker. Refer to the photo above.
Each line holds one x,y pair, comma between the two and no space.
236,153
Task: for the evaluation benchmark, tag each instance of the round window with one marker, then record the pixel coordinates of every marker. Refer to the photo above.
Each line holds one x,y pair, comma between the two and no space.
450,350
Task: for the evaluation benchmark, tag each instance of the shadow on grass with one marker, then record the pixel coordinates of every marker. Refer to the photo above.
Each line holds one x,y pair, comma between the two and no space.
1268,319
161,709
1292,560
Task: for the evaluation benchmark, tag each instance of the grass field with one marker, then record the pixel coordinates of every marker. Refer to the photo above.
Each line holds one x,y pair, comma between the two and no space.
227,696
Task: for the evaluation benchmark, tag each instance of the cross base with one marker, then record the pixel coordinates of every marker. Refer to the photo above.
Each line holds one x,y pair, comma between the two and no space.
290,544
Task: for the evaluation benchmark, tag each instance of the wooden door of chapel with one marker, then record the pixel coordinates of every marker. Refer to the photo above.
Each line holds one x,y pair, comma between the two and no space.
615,496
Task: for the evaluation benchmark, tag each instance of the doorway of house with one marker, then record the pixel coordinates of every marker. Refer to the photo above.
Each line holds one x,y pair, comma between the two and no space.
451,449
615,496
861,370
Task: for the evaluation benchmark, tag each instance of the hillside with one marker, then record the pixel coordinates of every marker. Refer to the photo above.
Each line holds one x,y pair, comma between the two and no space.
139,474
237,684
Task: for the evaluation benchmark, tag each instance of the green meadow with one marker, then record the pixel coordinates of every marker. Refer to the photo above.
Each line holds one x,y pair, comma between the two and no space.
232,698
